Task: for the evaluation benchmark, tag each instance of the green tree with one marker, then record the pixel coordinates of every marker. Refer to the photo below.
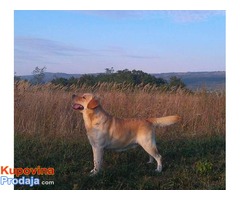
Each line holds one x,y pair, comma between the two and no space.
109,70
176,83
38,75
87,79
135,77
60,81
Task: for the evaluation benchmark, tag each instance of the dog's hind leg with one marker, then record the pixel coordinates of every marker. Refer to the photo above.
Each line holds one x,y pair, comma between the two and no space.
151,149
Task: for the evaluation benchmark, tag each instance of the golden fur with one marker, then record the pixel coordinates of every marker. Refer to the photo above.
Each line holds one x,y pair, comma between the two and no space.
107,132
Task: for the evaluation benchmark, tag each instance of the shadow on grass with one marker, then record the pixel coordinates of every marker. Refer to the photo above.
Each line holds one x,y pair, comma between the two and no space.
197,163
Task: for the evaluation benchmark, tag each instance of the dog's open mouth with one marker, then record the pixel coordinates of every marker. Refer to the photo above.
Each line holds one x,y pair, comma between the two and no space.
77,107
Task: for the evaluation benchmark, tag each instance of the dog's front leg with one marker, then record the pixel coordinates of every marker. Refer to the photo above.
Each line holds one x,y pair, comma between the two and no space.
97,159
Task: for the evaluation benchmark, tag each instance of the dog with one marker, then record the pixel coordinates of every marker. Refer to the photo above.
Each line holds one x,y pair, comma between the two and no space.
107,132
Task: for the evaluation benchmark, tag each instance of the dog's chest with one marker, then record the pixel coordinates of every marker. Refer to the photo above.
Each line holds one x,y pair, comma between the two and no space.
96,138
95,131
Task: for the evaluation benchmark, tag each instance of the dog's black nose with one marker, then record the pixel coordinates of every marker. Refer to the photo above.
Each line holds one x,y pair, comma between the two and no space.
73,96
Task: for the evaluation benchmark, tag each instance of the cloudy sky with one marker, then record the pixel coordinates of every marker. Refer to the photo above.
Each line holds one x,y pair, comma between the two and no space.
90,41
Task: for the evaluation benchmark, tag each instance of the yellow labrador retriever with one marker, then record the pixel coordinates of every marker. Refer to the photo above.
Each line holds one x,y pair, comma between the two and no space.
107,132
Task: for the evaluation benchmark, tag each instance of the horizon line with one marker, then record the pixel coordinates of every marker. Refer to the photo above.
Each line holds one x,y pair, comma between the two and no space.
129,70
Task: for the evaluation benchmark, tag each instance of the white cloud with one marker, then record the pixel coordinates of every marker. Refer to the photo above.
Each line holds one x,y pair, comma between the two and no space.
45,46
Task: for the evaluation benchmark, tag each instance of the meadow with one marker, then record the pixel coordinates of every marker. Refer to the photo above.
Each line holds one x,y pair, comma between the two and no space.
49,133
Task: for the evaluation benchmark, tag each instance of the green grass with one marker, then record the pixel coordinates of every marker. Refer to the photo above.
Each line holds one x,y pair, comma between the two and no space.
188,163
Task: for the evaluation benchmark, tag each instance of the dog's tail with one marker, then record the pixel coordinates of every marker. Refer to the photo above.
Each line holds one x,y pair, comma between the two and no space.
164,121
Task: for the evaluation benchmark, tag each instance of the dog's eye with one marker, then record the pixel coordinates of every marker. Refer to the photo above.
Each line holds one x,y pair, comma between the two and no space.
83,97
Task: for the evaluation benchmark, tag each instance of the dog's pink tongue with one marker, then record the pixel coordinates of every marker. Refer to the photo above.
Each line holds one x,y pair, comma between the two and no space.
77,106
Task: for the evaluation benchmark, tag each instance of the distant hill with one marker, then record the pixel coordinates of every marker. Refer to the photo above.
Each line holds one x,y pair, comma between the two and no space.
193,80
49,76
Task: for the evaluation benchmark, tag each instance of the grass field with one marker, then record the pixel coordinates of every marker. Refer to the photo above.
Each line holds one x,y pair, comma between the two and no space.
48,133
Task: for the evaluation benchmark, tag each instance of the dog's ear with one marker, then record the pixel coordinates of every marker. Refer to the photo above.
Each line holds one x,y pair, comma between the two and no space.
93,103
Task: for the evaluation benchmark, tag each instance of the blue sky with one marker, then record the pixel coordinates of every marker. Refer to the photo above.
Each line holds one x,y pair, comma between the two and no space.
90,41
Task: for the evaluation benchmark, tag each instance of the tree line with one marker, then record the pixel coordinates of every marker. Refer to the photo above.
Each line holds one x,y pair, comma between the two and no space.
133,77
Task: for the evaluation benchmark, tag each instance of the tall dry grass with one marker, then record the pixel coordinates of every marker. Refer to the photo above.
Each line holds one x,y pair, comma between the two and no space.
46,110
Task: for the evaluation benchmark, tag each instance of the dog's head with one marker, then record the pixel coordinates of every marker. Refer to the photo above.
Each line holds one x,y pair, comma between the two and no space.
84,102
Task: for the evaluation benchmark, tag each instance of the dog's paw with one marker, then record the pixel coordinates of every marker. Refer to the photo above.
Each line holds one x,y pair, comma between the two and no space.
159,169
93,172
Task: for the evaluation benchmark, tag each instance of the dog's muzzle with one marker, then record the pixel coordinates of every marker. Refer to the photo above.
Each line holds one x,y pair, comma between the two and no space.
77,107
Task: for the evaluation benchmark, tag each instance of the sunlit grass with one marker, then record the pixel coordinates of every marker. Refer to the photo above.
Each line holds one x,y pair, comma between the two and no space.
49,133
